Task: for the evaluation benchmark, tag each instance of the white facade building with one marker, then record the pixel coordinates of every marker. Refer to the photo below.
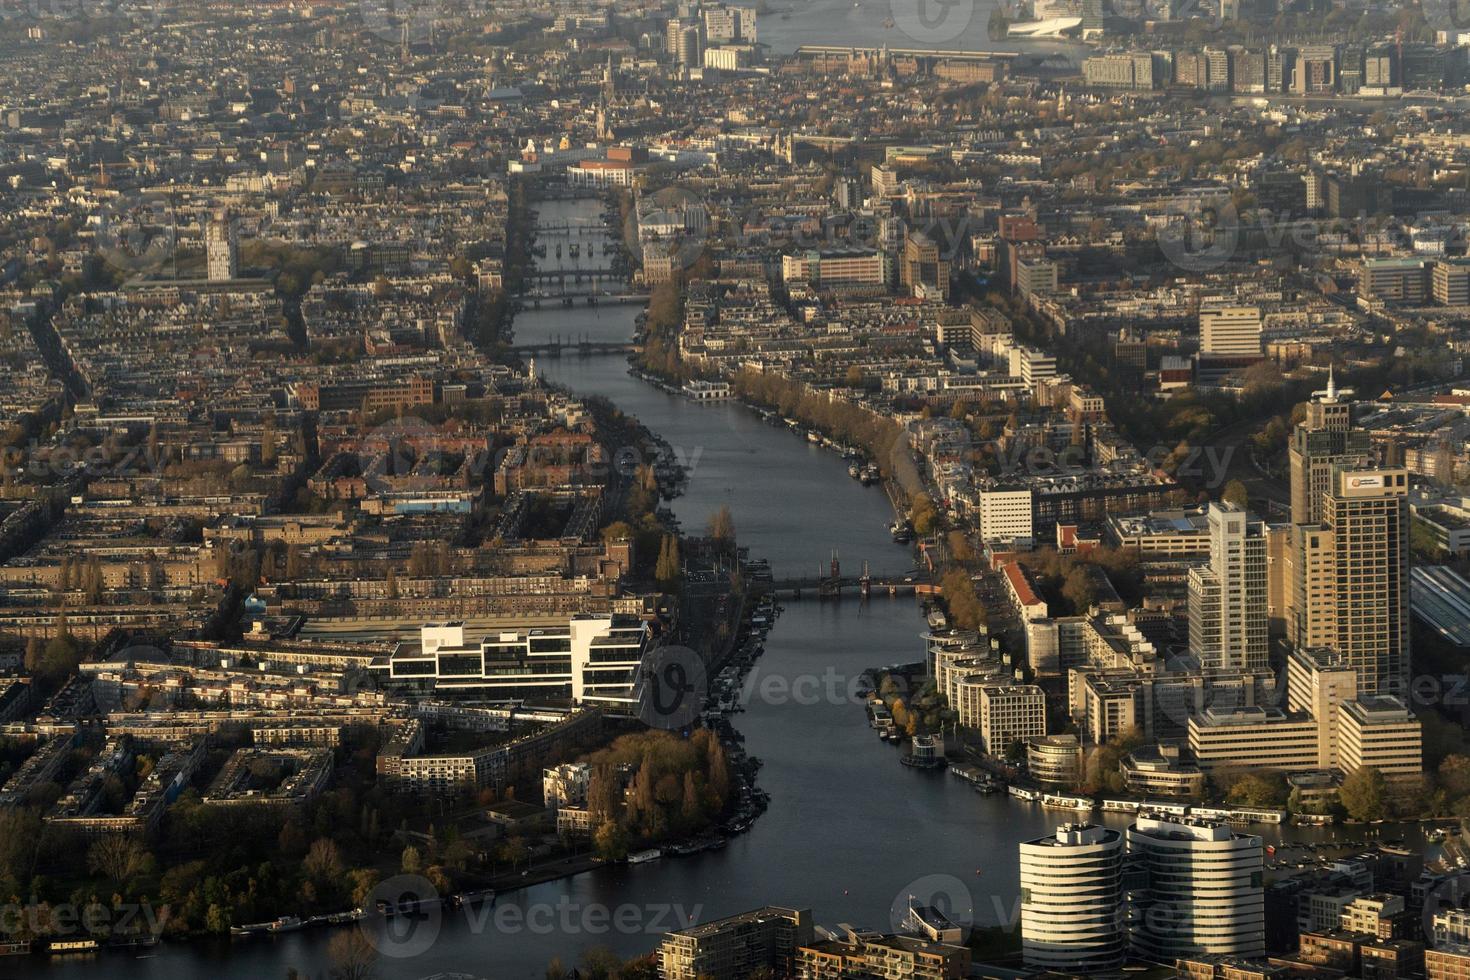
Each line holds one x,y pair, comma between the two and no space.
1230,331
1072,913
1204,893
1227,599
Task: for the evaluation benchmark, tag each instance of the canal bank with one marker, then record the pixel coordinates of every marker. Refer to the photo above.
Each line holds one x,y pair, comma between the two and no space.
849,832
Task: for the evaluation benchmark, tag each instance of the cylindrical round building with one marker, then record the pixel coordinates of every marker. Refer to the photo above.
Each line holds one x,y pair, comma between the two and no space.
1072,917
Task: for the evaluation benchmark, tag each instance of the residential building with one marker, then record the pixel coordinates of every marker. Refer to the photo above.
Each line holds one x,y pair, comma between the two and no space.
732,948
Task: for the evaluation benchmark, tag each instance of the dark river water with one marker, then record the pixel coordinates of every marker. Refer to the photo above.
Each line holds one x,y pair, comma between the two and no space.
849,833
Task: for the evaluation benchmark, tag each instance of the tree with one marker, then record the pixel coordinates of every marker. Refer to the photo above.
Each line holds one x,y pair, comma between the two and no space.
1454,775
324,861
1236,494
600,963
1079,589
412,861
363,881
1259,790
669,570
512,851
923,516
117,857
611,841
722,526
353,955
618,531
1363,794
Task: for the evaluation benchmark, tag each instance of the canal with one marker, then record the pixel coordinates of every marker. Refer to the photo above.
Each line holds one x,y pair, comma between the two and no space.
849,832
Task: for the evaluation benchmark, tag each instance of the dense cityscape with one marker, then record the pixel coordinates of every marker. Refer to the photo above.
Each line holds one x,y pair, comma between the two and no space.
821,489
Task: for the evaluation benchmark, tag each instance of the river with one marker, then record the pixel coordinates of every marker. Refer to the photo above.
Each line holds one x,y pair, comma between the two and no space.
849,832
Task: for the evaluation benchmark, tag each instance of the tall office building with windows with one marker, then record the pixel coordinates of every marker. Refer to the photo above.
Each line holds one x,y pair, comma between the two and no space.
1347,578
1072,917
1324,439
1230,331
1202,890
1227,597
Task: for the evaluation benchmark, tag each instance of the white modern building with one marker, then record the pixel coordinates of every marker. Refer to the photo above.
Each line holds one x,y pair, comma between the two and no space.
1009,714
1006,515
590,660
1072,912
565,785
1230,331
1204,892
1227,598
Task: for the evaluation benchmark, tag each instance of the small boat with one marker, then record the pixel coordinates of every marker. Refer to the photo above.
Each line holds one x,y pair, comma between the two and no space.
286,923
643,857
464,899
15,948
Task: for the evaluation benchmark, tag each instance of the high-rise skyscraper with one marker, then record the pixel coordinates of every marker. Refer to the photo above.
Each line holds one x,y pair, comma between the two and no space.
1203,894
221,247
1227,597
1072,917
1367,514
1347,589
1326,438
